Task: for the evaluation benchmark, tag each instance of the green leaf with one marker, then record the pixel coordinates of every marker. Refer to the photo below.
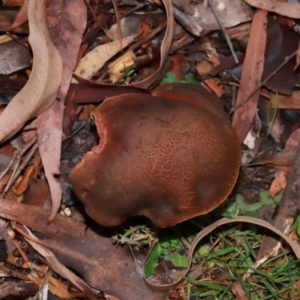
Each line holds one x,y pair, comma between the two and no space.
251,209
190,78
149,267
177,260
296,225
151,262
169,78
204,250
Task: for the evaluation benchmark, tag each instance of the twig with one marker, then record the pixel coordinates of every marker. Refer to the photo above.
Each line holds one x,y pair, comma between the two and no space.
184,6
288,207
286,60
236,60
148,37
187,22
19,167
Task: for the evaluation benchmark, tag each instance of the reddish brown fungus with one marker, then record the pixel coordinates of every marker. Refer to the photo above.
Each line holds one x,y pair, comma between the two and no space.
169,160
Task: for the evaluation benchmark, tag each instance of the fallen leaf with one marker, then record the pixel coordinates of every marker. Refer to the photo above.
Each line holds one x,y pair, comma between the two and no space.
251,76
89,253
95,59
164,49
281,42
287,102
280,180
43,85
278,184
55,264
238,291
230,12
131,24
7,17
67,21
22,15
13,57
291,10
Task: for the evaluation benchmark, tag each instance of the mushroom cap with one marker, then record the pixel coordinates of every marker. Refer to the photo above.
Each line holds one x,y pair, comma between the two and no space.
193,94
165,159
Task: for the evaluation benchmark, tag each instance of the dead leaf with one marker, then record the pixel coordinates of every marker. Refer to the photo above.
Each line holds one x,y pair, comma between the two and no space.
13,57
281,42
230,12
67,28
56,265
238,291
38,194
164,49
280,180
278,184
284,158
12,2
251,76
42,87
287,102
91,254
49,127
291,10
95,59
118,68
7,17
130,25
22,15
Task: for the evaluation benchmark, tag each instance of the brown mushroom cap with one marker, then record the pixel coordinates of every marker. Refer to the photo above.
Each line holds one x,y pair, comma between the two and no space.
165,159
193,94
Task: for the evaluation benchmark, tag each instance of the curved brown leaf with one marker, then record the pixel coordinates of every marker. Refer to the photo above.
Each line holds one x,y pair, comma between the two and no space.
164,49
42,87
89,253
251,76
67,20
95,59
178,277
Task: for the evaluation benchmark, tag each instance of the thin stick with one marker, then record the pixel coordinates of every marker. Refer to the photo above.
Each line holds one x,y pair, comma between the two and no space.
236,60
286,60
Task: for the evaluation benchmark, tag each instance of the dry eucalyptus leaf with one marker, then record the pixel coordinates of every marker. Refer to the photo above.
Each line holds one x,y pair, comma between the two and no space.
58,267
164,49
164,52
289,151
230,12
251,76
67,22
13,57
43,85
291,10
129,25
22,15
86,251
95,59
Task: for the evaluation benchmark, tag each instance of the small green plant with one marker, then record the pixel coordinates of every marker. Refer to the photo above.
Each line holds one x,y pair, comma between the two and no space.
238,206
296,225
232,255
168,247
170,77
138,235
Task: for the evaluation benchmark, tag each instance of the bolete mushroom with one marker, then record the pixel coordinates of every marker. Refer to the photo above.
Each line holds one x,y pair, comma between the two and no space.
167,159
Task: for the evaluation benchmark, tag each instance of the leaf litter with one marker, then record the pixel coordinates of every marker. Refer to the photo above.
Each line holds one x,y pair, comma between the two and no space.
88,249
